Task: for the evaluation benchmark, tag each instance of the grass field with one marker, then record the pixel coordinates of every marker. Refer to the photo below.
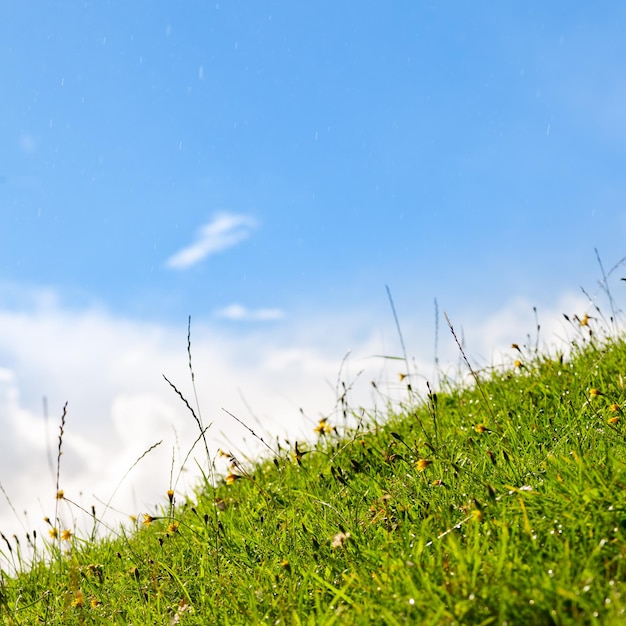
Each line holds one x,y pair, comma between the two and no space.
497,501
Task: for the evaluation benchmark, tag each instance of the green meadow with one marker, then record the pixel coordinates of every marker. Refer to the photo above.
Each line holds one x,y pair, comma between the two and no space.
496,497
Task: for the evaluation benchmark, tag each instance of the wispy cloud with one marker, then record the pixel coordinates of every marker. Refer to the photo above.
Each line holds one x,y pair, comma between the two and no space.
237,312
224,231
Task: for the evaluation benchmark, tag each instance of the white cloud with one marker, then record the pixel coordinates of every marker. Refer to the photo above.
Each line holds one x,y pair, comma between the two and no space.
109,370
224,231
490,337
240,313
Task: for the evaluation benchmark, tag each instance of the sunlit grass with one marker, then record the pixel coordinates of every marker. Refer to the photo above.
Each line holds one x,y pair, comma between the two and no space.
500,501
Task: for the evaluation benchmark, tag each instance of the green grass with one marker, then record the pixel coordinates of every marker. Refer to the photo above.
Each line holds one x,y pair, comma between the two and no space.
503,501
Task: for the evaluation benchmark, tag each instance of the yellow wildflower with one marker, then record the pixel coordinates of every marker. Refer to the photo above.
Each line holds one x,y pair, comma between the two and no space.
231,478
78,600
323,427
422,464
66,534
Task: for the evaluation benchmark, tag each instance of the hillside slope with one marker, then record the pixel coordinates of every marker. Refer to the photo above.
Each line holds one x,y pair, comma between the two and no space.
502,501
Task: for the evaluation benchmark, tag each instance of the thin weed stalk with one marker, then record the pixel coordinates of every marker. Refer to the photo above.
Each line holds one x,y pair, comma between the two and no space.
471,369
6,497
250,431
184,463
604,285
198,419
58,492
401,338
406,359
195,393
145,453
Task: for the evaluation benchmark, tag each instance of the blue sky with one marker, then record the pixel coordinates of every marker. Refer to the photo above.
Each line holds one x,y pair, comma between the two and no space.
268,168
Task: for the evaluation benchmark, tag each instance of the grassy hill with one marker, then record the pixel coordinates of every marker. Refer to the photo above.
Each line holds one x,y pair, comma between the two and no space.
500,501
